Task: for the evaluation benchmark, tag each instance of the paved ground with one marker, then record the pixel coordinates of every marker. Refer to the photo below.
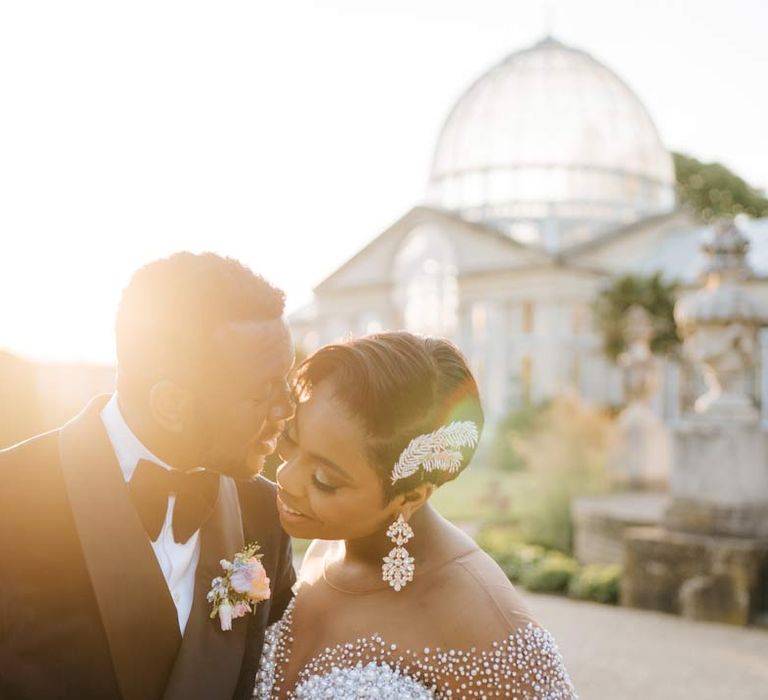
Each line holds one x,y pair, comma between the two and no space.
621,654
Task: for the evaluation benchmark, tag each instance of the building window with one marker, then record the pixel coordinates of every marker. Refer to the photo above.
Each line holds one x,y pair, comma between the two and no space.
528,319
576,371
370,323
479,322
526,379
426,282
579,318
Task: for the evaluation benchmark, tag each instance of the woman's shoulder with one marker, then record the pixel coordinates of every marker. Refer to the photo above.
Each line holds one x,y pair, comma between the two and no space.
486,627
478,626
484,604
312,563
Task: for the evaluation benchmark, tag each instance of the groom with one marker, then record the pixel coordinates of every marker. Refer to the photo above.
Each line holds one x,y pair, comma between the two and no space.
112,527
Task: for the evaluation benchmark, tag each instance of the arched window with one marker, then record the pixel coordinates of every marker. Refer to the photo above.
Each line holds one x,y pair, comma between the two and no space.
426,284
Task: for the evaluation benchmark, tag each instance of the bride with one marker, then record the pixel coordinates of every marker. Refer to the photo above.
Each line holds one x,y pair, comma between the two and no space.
393,601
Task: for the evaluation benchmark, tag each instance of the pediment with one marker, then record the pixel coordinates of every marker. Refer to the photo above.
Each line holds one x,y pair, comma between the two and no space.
476,249
640,247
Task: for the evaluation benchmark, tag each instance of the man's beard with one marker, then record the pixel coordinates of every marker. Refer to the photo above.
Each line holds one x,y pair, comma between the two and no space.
245,468
217,458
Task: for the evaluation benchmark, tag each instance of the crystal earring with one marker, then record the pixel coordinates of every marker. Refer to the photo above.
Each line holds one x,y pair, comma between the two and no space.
398,566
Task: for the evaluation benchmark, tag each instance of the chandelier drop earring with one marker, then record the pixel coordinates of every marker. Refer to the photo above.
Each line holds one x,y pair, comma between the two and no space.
398,566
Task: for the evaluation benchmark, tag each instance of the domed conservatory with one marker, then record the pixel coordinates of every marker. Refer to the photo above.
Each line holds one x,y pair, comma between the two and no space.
549,178
552,148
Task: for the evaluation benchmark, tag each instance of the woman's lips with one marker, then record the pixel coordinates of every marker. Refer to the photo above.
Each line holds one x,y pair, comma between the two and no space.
289,511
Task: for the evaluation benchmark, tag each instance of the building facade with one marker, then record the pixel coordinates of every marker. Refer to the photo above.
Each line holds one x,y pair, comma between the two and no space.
549,178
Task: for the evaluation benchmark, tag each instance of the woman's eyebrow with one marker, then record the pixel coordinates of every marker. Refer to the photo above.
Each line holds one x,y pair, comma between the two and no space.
321,458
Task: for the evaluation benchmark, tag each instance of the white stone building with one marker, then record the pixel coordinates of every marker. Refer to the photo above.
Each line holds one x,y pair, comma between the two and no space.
549,178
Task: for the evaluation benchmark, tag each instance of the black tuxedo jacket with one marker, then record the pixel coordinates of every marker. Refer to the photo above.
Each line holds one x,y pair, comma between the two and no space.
84,609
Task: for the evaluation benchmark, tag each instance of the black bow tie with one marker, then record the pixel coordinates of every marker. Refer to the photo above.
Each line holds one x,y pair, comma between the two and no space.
196,494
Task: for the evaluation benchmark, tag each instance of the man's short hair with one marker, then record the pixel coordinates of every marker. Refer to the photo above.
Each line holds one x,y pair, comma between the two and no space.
171,308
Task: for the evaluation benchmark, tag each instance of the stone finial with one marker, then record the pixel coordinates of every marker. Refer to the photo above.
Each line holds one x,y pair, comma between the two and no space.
719,325
726,249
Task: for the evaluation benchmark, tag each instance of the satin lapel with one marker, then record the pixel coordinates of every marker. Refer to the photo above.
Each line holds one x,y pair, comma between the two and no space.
136,609
209,663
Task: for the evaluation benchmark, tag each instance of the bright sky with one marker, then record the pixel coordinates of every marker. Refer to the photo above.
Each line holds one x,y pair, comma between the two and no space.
288,134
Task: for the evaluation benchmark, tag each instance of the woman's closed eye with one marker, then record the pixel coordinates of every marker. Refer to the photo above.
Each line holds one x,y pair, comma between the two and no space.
286,448
322,483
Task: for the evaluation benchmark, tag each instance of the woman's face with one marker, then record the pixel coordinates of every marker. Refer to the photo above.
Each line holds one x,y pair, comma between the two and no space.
327,488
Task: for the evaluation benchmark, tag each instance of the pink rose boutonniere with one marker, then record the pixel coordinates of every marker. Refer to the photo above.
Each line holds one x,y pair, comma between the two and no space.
243,585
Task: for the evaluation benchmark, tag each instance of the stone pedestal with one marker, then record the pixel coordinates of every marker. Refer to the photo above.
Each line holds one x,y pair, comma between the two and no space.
642,458
599,523
728,521
719,484
710,560
702,577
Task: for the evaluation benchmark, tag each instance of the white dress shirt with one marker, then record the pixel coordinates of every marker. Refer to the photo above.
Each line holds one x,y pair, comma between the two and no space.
178,562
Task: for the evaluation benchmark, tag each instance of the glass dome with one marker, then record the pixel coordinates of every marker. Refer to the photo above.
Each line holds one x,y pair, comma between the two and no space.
553,148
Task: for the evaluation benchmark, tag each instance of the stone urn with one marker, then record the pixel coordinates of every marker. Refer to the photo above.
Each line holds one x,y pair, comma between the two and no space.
720,476
709,558
720,327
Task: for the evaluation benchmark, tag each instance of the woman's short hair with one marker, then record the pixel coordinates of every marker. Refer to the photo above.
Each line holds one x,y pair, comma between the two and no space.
399,385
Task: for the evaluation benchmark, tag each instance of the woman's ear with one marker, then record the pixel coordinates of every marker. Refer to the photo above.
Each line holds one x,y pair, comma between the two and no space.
169,405
414,499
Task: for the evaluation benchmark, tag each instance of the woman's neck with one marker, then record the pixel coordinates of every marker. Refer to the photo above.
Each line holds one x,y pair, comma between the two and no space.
355,565
371,550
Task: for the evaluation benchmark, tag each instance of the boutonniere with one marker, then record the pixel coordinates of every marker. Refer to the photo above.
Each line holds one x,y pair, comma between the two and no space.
243,586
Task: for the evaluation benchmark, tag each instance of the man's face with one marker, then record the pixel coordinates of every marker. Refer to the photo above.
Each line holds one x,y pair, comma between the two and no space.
241,413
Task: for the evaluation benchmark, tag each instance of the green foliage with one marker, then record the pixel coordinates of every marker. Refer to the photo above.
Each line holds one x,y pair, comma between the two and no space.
598,582
712,190
547,519
545,570
512,555
504,457
299,545
480,494
498,539
551,573
652,293
565,455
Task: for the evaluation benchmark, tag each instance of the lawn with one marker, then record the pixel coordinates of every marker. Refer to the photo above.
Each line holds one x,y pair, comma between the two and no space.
481,494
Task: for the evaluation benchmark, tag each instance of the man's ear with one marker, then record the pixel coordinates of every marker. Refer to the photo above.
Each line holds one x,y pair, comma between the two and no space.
414,499
169,405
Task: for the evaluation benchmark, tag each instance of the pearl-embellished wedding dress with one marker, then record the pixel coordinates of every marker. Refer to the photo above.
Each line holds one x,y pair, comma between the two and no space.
524,663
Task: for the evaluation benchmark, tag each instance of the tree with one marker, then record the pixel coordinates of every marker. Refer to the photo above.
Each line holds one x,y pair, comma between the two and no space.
654,294
712,190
